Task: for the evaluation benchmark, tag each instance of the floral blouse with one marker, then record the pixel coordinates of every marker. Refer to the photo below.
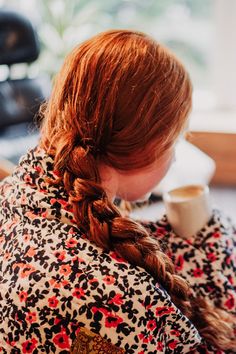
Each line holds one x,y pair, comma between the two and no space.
59,293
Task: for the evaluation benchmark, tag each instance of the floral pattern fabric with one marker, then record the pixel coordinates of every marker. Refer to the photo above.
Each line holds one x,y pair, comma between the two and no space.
207,260
54,283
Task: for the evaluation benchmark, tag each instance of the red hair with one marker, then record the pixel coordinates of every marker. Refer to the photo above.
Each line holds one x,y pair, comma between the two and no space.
116,95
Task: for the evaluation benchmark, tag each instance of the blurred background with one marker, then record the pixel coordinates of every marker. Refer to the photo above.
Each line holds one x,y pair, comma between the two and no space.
200,32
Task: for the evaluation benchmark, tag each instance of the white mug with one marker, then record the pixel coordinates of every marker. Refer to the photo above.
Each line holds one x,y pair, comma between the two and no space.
188,209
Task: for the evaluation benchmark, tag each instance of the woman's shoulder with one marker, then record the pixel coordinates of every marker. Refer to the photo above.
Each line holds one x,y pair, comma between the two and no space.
68,282
129,301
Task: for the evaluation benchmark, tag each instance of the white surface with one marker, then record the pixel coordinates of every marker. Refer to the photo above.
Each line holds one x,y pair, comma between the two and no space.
192,166
221,121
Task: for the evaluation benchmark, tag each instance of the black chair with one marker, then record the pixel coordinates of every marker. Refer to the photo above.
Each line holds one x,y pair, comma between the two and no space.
20,99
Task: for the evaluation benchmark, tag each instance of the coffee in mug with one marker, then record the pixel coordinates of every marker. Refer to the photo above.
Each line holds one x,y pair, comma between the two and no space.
188,209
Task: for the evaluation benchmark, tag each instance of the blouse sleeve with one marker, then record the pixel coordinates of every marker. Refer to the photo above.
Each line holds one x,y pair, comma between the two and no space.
207,260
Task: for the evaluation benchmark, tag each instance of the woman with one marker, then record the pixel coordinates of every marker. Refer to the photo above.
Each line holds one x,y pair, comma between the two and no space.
78,276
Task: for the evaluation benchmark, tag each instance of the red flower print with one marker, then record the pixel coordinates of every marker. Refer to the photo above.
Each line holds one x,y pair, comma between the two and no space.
117,299
53,302
68,207
23,296
64,283
29,345
56,173
10,343
209,288
151,325
231,279
60,255
228,260
211,256
31,317
173,344
174,332
108,279
72,231
164,310
160,346
160,232
53,201
112,320
216,234
71,243
57,320
117,258
197,272
145,337
100,309
61,340
179,263
147,306
230,303
79,292
38,169
65,269
93,280
62,202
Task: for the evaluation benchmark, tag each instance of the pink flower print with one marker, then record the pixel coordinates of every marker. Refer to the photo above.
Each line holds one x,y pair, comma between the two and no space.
109,279
71,242
31,317
65,269
23,296
79,292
